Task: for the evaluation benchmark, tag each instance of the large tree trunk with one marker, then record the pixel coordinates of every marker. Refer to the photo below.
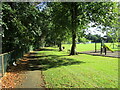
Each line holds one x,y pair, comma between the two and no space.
74,27
73,51
42,40
60,46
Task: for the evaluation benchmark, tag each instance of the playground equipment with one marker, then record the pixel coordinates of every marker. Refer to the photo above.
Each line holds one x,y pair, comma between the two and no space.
104,47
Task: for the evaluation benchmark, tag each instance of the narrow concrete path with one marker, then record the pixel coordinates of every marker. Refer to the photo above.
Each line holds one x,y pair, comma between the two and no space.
33,80
33,77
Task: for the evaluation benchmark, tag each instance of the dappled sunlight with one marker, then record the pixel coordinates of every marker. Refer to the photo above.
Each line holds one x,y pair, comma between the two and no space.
48,42
51,61
41,61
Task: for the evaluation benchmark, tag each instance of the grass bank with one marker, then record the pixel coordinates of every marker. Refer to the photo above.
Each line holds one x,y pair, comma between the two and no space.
79,71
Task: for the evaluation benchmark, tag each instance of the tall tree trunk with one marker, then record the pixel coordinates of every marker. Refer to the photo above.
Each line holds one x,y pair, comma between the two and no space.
42,40
74,27
60,46
73,51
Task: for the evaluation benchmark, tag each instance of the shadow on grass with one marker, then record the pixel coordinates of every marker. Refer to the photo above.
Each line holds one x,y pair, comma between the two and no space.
50,61
44,62
44,49
31,56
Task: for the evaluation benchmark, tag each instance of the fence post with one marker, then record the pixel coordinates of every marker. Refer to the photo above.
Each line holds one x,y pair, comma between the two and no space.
3,65
0,66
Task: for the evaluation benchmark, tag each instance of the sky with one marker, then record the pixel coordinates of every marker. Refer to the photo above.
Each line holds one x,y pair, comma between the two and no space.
94,30
41,6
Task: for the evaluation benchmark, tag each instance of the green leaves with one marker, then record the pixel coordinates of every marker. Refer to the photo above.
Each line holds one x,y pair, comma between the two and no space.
20,24
23,23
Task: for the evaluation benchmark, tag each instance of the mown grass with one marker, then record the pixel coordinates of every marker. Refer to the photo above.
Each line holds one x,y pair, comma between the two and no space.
83,47
78,71
89,47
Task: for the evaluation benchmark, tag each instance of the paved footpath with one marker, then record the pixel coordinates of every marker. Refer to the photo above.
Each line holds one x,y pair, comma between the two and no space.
33,80
33,75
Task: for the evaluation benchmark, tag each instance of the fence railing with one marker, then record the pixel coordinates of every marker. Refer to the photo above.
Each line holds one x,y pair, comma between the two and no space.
8,58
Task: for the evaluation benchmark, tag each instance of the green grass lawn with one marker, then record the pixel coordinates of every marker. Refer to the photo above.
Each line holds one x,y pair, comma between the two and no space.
89,47
83,47
78,71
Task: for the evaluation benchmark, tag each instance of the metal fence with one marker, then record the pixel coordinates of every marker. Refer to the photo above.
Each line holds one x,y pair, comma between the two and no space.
0,65
8,58
4,58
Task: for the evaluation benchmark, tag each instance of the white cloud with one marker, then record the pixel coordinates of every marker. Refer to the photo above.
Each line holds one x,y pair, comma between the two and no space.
95,30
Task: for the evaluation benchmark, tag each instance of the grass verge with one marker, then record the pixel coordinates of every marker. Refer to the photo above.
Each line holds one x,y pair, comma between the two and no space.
79,71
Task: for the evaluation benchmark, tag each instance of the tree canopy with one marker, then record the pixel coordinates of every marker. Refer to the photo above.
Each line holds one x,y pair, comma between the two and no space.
50,23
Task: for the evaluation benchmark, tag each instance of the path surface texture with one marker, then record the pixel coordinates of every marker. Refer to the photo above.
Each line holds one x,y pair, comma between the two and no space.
115,54
33,76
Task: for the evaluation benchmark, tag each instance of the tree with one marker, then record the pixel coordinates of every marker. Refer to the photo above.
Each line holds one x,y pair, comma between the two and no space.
22,20
82,13
59,31
64,19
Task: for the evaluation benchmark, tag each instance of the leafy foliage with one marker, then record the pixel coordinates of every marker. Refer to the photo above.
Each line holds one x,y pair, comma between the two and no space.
54,23
23,26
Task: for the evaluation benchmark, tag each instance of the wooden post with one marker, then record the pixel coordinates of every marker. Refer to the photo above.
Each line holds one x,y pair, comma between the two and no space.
113,45
105,50
101,47
101,50
95,47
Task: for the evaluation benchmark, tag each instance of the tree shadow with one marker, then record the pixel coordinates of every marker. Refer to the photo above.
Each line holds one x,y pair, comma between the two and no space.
43,62
44,49
32,56
52,62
